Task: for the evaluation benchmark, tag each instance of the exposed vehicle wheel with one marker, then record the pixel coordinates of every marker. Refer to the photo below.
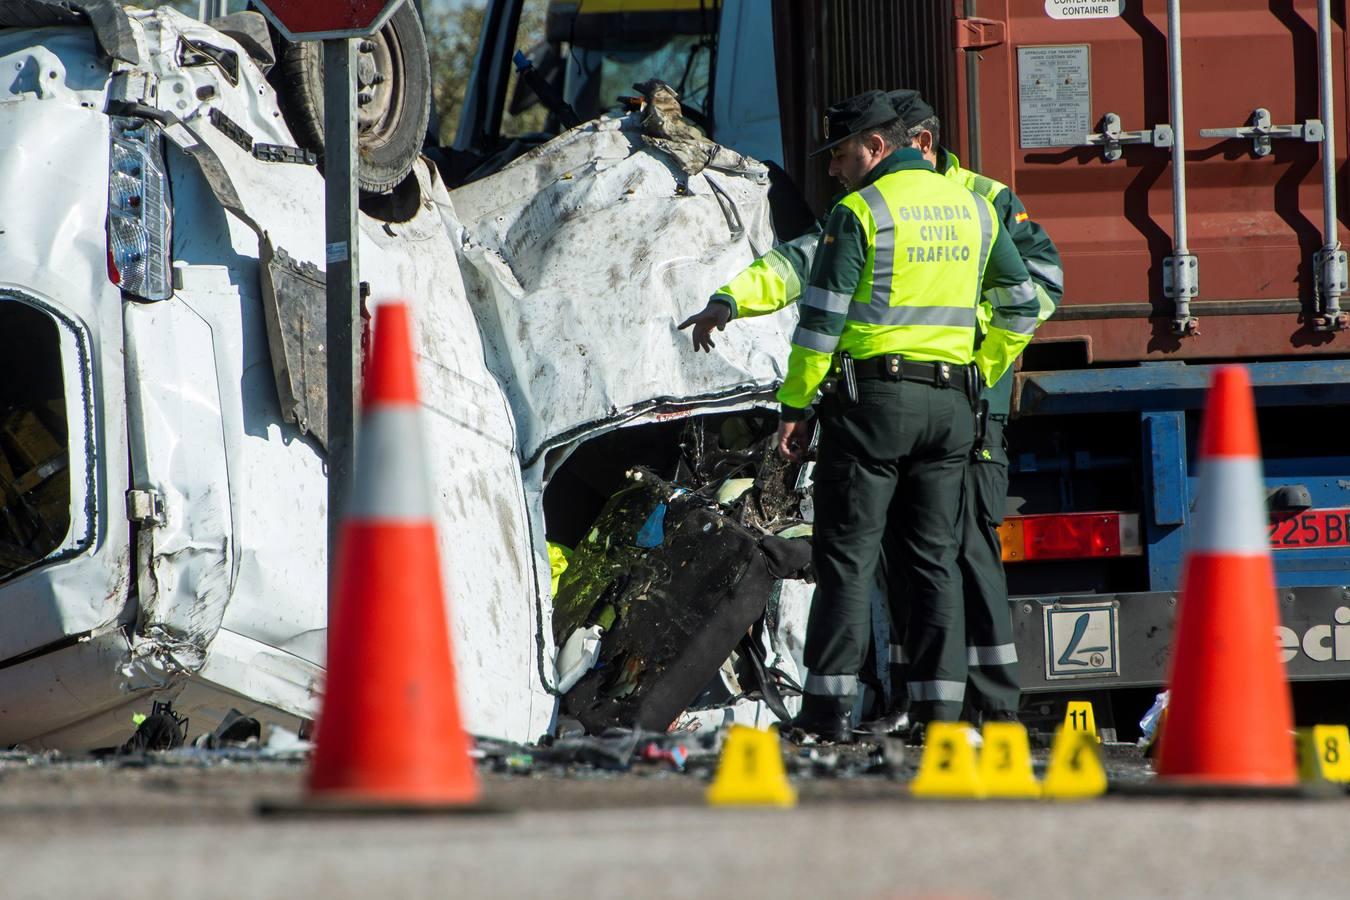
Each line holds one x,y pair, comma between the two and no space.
393,98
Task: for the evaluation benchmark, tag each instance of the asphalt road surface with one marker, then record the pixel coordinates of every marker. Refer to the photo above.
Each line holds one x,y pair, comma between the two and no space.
184,828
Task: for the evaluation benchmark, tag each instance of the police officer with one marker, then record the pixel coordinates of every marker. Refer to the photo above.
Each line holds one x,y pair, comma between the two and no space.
774,281
892,301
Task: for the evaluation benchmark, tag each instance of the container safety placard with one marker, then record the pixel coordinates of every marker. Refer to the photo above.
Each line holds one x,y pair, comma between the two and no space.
1082,641
1084,9
1054,95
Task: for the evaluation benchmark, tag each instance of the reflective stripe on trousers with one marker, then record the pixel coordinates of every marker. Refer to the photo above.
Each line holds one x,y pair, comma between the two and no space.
937,691
831,685
999,655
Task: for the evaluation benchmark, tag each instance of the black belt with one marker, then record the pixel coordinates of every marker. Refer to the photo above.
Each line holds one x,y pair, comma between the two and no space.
894,367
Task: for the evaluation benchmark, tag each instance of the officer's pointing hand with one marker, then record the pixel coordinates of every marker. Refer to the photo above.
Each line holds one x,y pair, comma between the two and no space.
714,315
792,440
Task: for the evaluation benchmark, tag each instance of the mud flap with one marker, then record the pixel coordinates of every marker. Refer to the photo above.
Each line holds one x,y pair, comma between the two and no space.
294,307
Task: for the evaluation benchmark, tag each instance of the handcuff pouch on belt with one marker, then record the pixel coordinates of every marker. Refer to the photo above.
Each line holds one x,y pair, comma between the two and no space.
842,381
848,380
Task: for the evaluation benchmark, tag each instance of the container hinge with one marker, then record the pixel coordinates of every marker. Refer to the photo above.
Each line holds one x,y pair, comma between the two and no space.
1181,282
979,34
1111,138
145,507
1261,132
1331,286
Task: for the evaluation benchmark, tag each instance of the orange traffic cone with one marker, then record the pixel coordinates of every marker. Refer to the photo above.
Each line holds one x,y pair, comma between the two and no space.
1228,720
389,735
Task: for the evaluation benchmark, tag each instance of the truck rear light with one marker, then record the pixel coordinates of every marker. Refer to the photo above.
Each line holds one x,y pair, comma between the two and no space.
1097,535
139,216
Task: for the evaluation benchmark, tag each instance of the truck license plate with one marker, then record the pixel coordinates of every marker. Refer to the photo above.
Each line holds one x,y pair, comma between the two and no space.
1311,528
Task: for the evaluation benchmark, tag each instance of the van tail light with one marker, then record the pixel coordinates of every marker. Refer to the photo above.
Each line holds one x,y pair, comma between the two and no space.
1096,535
140,220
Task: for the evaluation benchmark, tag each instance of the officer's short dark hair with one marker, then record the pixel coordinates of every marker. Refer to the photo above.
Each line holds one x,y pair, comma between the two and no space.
929,124
893,133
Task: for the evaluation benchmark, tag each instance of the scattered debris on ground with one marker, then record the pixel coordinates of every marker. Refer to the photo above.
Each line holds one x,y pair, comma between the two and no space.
619,754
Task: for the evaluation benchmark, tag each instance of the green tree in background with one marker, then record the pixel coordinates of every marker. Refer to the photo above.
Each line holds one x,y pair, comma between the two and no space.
452,41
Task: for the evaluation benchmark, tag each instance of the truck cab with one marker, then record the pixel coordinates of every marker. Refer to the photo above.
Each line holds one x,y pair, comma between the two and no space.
593,53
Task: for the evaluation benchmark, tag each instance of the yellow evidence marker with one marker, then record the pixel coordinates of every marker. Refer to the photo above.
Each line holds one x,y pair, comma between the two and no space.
1075,771
948,769
1079,717
1005,761
1324,753
750,772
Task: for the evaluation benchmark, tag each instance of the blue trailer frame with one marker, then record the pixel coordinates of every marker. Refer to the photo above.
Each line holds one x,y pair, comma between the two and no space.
1313,596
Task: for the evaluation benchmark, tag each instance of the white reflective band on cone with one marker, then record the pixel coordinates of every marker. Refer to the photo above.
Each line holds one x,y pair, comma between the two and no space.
391,473
1230,509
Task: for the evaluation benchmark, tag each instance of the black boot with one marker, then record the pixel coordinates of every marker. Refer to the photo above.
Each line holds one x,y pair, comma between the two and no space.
893,722
825,718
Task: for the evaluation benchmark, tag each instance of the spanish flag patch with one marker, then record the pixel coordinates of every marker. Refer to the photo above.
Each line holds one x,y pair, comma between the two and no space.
1021,217
829,239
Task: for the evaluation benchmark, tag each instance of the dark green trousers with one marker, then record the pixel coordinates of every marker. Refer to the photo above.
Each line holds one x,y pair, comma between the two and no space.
991,656
909,442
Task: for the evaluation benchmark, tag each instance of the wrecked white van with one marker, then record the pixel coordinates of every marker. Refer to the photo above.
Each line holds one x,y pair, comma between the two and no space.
162,480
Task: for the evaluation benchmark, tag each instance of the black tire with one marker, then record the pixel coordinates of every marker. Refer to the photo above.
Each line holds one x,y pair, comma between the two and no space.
391,124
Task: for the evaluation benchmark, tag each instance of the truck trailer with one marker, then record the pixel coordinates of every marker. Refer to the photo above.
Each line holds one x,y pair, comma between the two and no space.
1187,159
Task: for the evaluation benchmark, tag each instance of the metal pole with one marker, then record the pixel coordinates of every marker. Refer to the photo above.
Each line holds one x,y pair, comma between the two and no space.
1181,269
1179,236
343,311
1331,261
972,122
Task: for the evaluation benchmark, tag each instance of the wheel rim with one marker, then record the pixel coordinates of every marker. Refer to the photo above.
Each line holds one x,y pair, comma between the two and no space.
379,85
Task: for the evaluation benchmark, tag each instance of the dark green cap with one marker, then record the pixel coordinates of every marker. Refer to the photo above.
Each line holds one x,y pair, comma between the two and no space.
909,106
866,111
